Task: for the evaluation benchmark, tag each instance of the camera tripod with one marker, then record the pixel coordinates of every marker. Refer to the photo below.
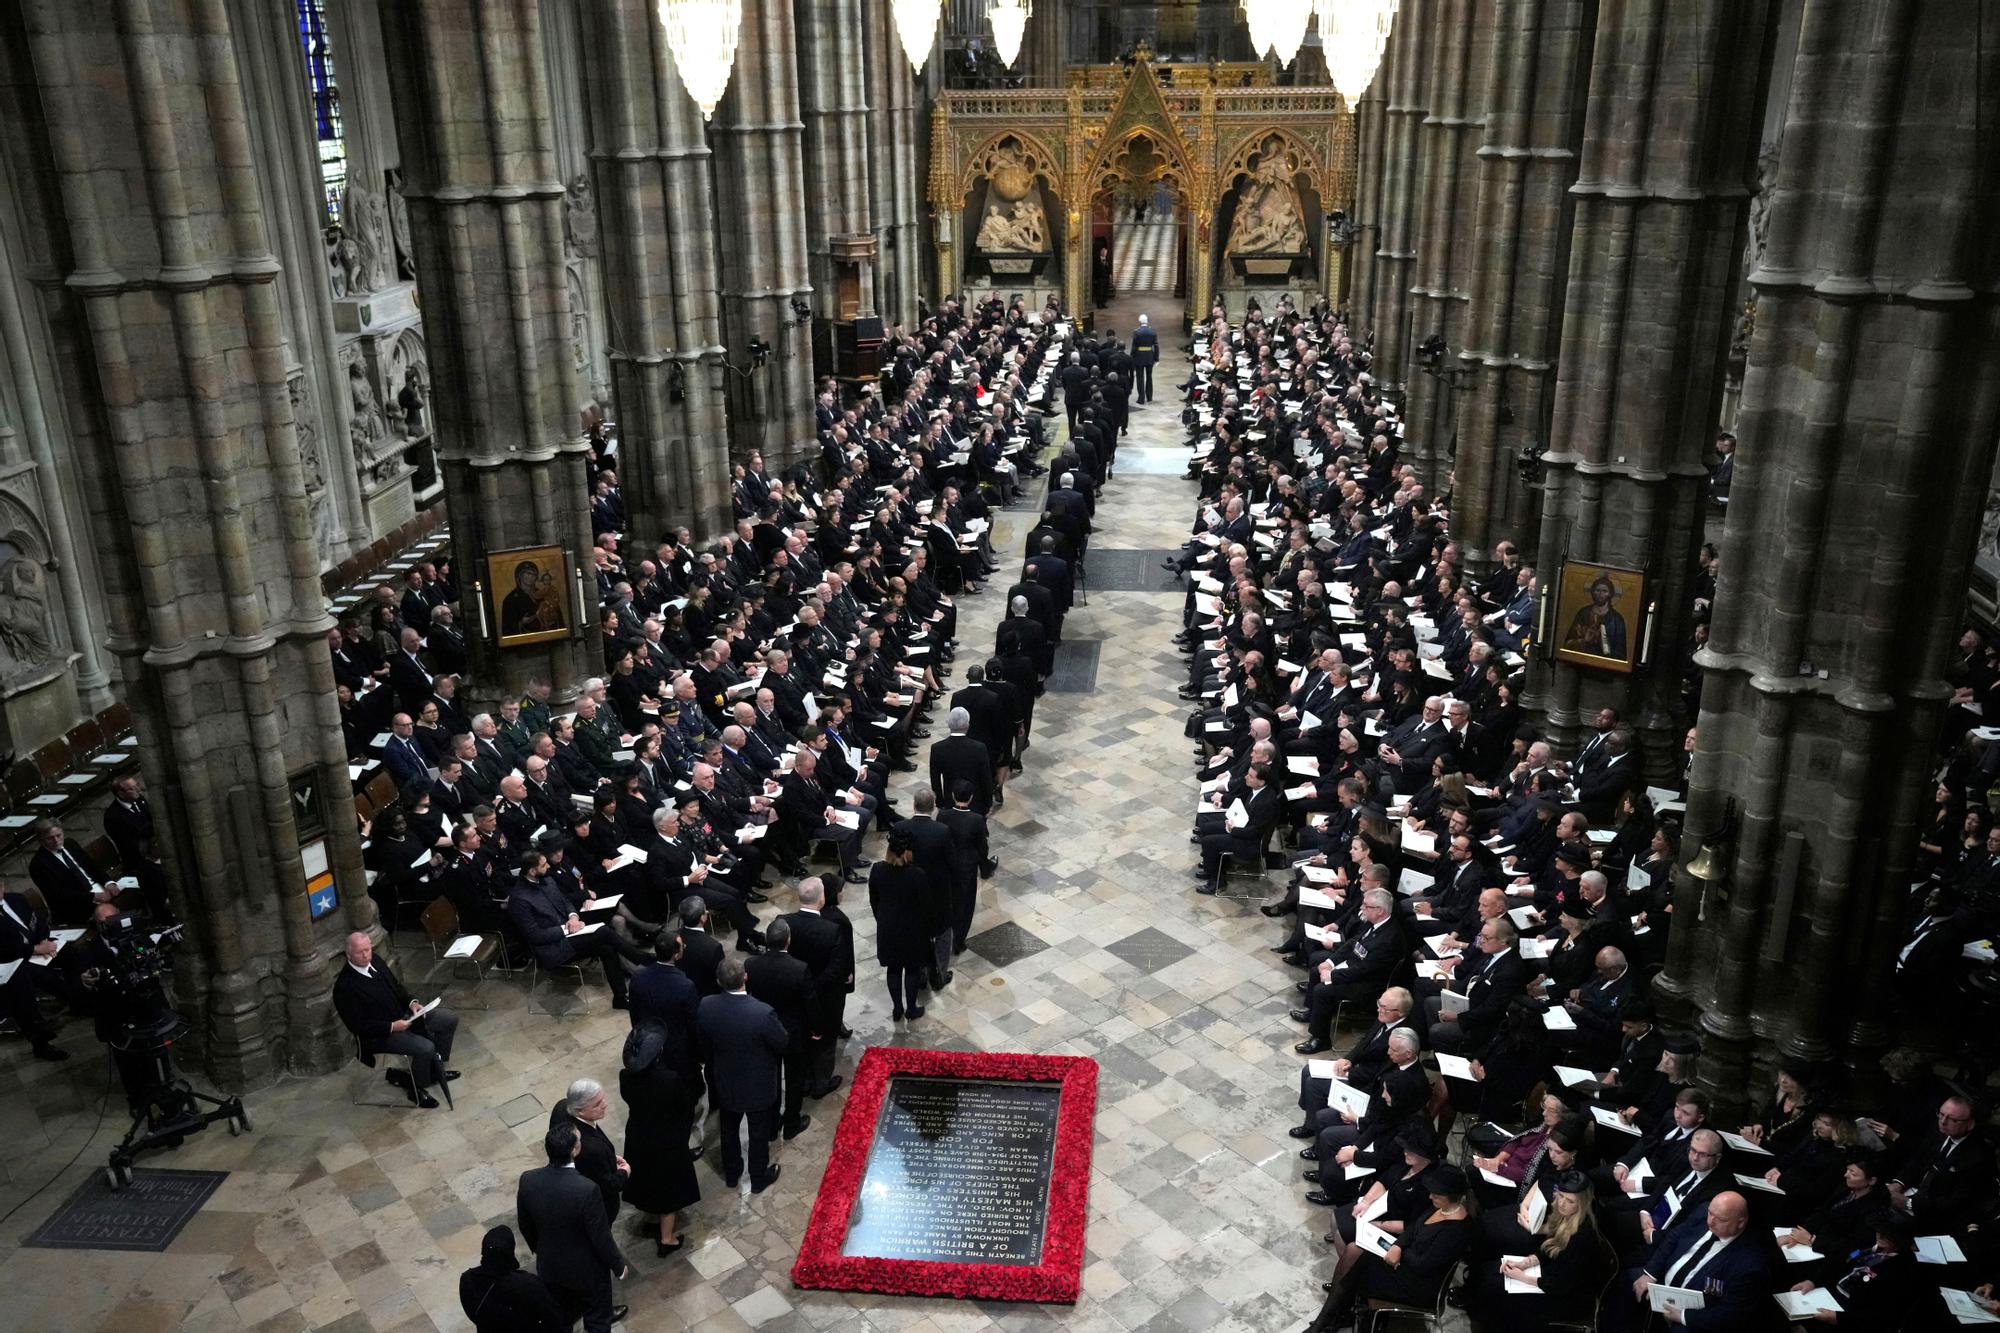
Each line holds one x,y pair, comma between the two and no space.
166,1108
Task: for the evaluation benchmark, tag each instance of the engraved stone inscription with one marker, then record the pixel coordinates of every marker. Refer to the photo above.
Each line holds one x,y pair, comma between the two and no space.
958,1173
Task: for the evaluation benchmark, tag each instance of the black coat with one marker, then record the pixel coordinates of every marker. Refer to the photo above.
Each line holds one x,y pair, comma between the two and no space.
825,944
786,984
598,1161
510,1300
368,1005
900,897
66,882
701,953
961,758
933,854
744,1043
561,1215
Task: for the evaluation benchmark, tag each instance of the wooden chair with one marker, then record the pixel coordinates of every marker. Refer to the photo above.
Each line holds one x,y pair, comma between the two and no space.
381,790
115,721
85,739
23,781
441,928
52,761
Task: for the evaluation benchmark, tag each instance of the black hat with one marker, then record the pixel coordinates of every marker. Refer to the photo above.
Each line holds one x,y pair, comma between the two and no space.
1683,1043
498,1245
1572,1182
1445,1179
1578,909
1417,1138
1574,856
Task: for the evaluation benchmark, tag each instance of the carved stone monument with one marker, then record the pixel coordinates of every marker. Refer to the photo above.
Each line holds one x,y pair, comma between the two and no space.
379,339
1268,236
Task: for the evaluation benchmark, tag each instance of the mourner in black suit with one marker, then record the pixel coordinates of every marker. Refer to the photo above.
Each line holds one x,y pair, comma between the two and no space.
128,820
547,922
1355,971
701,952
786,984
70,880
24,934
562,1218
374,1006
744,1043
583,1105
824,941
1490,978
1262,804
960,758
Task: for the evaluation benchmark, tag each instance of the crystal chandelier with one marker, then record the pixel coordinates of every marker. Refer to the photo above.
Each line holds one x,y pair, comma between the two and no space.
916,26
1010,20
1353,34
1277,26
702,36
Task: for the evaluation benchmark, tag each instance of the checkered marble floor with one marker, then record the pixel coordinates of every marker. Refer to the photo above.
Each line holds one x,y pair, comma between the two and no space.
1142,254
1091,942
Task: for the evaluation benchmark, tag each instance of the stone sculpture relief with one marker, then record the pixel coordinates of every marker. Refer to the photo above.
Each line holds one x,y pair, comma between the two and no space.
1015,223
305,425
580,217
343,261
367,225
399,228
27,638
1269,220
368,426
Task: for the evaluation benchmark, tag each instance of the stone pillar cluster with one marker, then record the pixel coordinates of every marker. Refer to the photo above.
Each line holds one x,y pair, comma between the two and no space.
760,225
652,168
1667,163
204,536
486,214
1871,407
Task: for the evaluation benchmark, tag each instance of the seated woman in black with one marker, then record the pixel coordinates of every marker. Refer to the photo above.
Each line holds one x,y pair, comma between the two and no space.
1407,1200
1416,1266
1567,1267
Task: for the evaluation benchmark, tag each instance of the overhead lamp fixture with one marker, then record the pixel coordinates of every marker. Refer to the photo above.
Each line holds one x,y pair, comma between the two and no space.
917,28
1010,23
701,34
1277,27
1353,35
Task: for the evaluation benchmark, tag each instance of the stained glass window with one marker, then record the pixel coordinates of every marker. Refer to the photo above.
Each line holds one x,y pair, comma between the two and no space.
325,93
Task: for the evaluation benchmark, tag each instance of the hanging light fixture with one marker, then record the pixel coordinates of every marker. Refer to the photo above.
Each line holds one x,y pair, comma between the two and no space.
1353,34
1277,27
1010,21
916,27
701,34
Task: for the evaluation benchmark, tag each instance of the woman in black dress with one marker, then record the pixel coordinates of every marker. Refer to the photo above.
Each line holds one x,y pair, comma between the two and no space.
1567,1266
897,890
659,1117
1413,1269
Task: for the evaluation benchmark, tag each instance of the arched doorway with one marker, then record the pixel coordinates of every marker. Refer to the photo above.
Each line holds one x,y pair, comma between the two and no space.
1139,224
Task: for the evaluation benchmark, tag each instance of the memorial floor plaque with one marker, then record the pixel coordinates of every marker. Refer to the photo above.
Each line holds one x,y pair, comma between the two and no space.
956,1174
959,1172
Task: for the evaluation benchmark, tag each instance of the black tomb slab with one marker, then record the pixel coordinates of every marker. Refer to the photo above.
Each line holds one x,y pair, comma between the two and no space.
958,1173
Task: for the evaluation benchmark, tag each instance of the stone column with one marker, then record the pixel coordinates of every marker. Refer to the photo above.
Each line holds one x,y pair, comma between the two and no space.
896,140
761,235
1669,152
1460,63
216,616
1399,212
486,220
833,94
1360,262
1045,46
1534,120
657,231
1870,410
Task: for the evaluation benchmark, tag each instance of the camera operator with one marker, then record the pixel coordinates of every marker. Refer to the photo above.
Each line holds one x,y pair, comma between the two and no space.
120,979
24,934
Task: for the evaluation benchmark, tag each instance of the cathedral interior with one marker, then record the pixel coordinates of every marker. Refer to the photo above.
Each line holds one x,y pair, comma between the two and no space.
402,377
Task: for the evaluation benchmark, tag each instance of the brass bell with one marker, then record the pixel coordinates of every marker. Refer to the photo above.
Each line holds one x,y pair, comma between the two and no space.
1706,865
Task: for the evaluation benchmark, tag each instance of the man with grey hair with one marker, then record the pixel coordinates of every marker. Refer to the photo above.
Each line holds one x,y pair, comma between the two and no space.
1022,636
584,1104
960,758
823,939
1145,355
1399,1095
744,1043
1488,980
1353,972
494,757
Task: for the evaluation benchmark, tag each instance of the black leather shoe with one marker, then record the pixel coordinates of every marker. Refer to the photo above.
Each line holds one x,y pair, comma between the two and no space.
755,897
618,1313
732,1181
1281,949
1311,1046
1300,1015
1302,987
1311,1176
797,1127
1319,1198
425,1101
1309,1154
1205,889
845,1031
854,879
768,1181
451,1076
1294,960
1274,909
1300,1132
827,1087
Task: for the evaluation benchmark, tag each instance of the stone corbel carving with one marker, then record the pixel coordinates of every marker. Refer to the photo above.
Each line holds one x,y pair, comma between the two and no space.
305,425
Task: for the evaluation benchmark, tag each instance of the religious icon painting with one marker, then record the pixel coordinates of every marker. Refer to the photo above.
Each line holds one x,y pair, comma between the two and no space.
528,587
1600,615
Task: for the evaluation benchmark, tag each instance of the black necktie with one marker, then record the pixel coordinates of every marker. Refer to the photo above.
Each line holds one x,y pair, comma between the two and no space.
1691,1262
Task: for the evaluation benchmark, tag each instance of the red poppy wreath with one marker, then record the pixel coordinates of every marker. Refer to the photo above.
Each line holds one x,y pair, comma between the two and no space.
961,1155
